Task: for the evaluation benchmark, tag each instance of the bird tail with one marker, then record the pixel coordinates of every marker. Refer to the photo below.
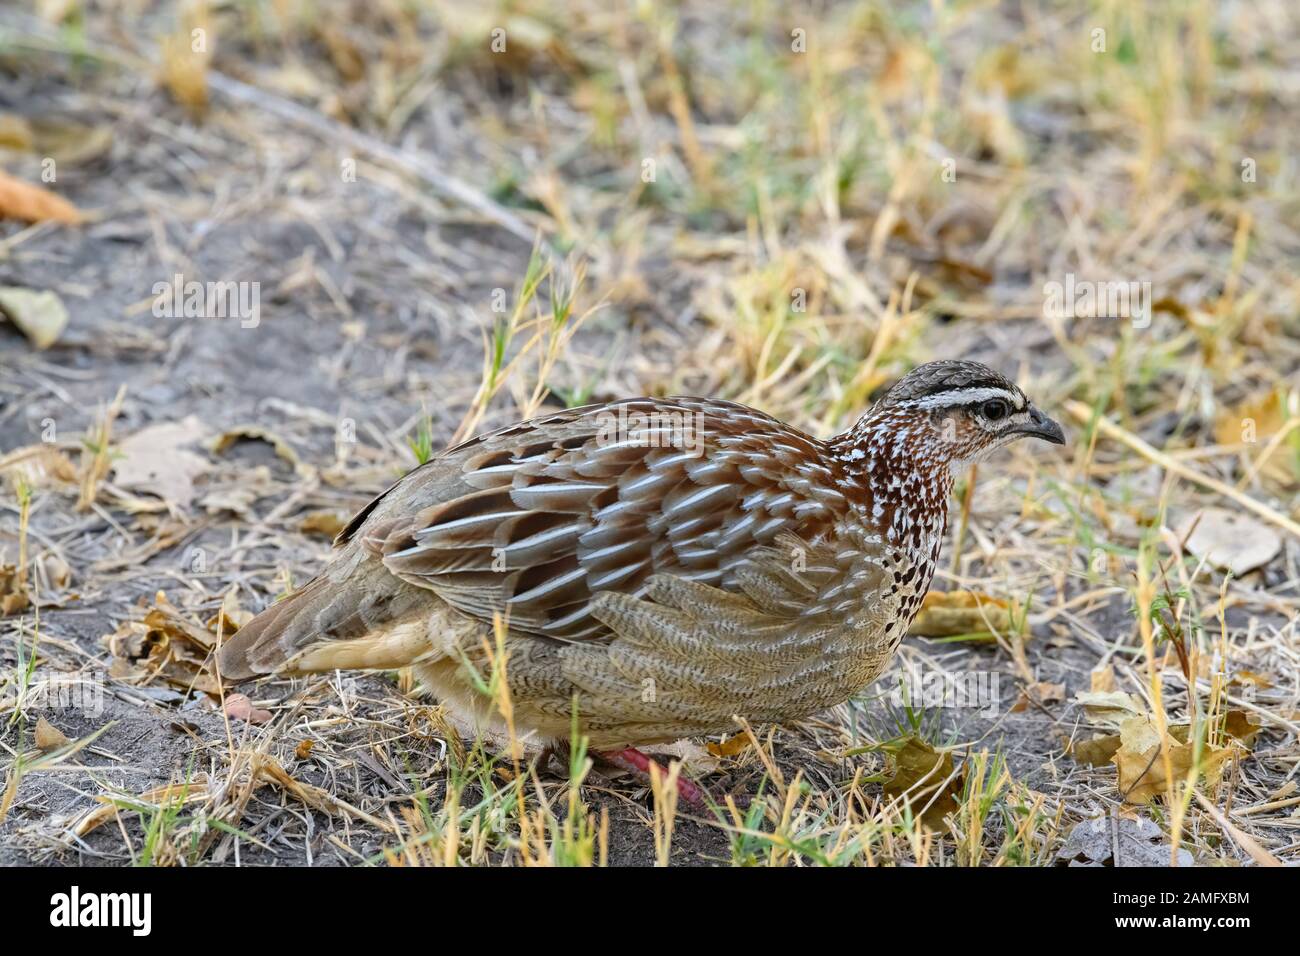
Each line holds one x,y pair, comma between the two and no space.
370,620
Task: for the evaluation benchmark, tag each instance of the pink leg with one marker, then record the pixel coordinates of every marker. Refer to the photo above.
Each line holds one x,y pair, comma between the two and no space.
638,763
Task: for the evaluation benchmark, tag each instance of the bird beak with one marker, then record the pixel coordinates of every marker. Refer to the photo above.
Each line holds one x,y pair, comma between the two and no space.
1040,426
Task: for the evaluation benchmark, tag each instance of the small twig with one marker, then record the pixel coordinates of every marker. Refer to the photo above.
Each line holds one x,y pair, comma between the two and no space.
1243,840
1084,414
419,165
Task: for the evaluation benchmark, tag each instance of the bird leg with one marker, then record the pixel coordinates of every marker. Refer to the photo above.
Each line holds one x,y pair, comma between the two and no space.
638,764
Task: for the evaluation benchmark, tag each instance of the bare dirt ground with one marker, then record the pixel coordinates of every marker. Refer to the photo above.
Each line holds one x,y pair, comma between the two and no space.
796,247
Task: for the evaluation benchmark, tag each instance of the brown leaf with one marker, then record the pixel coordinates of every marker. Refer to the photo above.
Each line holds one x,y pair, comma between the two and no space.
230,618
164,644
14,597
48,737
924,778
184,72
1102,680
950,613
1097,752
1256,418
1144,772
20,200
222,442
1240,726
731,746
1041,693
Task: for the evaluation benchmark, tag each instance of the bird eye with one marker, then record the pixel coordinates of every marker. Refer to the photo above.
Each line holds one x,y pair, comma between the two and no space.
995,409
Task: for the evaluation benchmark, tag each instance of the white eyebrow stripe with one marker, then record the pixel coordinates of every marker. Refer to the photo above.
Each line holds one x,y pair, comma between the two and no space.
964,396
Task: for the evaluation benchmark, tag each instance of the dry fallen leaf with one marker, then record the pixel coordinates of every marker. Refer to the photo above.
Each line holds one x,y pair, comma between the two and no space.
230,618
924,778
238,496
37,466
184,72
1240,726
39,314
16,132
156,460
20,200
1097,752
1229,540
1144,773
950,613
1040,692
1256,418
48,737
163,644
1109,708
222,442
14,597
1101,749
1118,841
54,572
1102,680
737,743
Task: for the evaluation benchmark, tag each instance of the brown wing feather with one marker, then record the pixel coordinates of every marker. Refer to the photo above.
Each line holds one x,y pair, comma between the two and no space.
533,521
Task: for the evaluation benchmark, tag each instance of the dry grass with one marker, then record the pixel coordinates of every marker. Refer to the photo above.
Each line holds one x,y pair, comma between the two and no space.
783,208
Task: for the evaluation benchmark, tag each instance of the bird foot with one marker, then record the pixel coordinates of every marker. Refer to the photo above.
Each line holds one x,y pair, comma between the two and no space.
637,763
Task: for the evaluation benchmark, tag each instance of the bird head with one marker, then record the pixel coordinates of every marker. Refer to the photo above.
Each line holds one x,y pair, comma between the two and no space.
957,413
